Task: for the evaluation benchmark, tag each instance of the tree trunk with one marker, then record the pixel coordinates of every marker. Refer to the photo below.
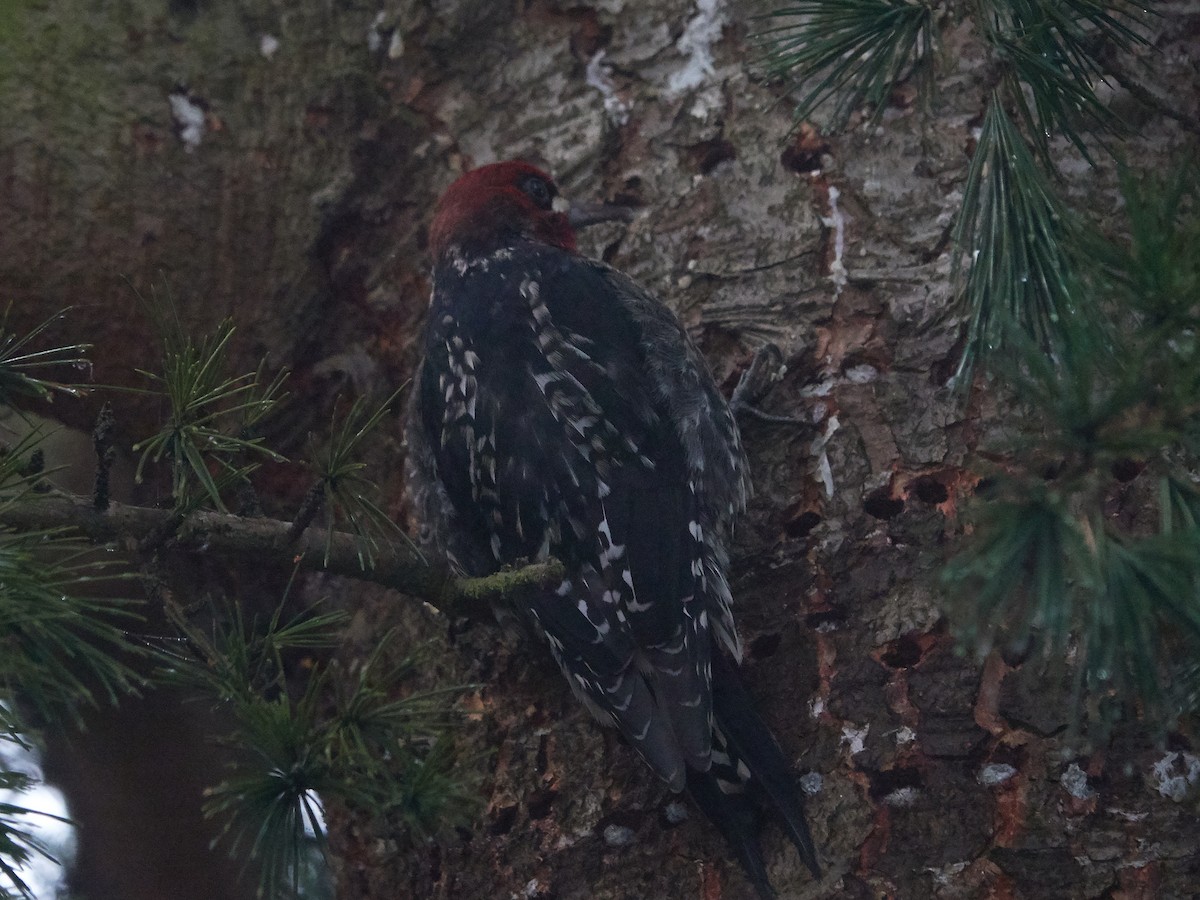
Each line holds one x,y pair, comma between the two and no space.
301,211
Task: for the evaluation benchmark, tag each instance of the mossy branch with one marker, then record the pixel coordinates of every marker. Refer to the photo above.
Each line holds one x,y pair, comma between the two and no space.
398,566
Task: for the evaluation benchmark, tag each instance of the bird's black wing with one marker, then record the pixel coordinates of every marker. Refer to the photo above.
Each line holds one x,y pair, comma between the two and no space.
550,437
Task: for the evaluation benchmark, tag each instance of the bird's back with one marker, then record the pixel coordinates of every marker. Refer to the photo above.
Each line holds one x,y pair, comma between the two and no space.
562,411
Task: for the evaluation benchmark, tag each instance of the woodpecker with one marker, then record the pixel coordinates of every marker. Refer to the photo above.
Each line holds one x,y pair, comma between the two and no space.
562,411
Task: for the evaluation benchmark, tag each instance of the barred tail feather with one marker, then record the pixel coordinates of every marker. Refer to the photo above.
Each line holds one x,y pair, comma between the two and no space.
736,818
751,741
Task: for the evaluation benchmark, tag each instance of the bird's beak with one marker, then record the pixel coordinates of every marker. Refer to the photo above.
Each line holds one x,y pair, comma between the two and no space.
581,215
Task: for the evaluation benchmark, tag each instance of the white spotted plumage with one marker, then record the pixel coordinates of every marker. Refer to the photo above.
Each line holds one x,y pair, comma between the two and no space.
562,411
660,667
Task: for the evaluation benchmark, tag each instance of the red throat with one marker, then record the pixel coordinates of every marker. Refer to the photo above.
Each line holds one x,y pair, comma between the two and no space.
487,209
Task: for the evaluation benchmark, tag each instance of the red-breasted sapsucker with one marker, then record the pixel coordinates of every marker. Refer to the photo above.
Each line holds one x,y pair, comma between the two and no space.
561,411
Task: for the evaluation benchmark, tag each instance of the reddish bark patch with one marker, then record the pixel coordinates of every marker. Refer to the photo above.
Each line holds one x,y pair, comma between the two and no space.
1139,882
898,701
710,882
803,154
876,844
1012,811
987,702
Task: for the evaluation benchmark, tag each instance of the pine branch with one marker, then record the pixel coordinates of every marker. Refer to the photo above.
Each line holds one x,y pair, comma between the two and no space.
203,401
20,364
19,841
1055,50
1047,59
847,52
1054,560
344,489
1016,230
396,566
318,731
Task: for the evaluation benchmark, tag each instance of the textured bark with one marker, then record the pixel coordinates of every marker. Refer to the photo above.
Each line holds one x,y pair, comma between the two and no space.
302,213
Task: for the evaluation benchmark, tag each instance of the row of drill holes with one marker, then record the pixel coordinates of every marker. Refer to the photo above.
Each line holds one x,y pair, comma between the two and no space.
879,503
882,505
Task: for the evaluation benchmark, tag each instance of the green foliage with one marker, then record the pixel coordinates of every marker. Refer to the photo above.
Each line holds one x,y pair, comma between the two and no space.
19,843
357,738
62,648
212,415
1125,609
1014,226
1051,53
1046,59
350,737
1096,339
20,364
1111,422
347,492
1017,568
854,52
1158,264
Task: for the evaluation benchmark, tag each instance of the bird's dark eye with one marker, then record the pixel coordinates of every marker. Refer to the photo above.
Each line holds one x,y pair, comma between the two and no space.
540,191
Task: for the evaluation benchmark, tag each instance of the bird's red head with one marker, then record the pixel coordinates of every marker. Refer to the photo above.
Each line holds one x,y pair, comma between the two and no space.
494,205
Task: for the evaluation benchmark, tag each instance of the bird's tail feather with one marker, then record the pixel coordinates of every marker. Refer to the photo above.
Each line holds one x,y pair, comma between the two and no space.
750,741
736,819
